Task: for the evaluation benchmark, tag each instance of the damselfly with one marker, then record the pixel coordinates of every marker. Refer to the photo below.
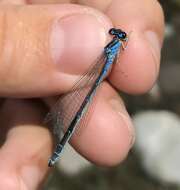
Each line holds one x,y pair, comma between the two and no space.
69,110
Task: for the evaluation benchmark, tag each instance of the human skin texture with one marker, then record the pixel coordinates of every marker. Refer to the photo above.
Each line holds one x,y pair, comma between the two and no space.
44,47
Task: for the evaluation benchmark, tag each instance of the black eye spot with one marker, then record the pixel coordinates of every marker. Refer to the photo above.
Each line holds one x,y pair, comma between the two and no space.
124,35
118,33
112,31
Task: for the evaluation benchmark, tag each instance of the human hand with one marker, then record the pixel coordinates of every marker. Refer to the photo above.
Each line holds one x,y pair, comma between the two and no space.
43,49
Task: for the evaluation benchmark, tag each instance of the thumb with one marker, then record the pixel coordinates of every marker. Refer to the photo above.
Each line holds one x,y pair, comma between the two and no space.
44,48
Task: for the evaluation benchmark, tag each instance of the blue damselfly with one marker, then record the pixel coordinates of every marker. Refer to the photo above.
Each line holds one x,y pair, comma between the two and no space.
69,110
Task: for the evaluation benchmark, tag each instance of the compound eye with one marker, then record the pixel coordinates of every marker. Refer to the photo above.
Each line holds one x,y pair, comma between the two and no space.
118,33
112,31
123,35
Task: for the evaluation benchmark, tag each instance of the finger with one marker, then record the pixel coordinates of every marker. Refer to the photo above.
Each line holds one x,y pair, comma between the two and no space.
138,66
16,2
99,4
49,1
44,49
107,134
27,147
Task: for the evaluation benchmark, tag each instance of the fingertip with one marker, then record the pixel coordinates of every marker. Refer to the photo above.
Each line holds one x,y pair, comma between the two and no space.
139,65
78,34
137,68
9,180
107,138
26,153
58,42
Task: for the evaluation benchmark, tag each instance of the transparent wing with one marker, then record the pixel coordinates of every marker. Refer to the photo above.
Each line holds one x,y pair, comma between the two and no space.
65,109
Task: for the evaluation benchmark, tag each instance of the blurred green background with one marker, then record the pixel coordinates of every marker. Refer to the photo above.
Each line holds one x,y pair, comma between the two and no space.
130,175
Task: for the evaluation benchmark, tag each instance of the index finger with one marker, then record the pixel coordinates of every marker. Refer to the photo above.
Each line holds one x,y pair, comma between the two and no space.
138,67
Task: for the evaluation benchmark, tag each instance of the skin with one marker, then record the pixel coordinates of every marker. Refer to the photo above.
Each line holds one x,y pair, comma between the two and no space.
34,62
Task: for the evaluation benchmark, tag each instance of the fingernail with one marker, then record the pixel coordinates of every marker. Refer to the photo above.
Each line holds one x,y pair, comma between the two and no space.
155,46
120,109
76,39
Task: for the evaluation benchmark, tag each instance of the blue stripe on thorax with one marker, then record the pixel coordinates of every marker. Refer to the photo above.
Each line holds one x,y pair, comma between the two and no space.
110,51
